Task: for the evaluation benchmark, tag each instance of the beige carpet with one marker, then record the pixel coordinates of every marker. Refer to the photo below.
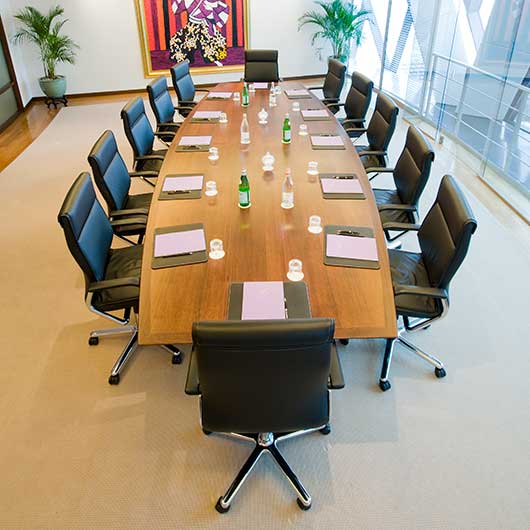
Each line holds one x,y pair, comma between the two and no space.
78,453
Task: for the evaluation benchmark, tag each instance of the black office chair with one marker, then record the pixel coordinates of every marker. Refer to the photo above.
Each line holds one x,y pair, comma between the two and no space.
261,66
357,101
421,279
141,137
163,108
400,205
112,276
184,87
127,213
378,133
333,84
264,382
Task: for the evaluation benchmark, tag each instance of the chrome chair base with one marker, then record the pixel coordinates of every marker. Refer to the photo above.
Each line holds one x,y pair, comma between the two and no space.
126,354
439,370
267,442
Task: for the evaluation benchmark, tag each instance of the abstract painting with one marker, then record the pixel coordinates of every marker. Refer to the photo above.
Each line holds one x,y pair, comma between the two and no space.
211,34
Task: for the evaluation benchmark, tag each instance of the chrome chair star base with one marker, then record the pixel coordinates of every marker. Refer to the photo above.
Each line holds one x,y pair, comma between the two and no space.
267,442
132,344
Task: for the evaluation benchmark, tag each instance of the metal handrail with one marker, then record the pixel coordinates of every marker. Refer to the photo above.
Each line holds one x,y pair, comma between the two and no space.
483,72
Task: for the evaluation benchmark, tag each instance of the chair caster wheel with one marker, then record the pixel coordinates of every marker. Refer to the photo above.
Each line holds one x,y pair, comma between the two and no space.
440,372
344,341
219,508
207,432
176,358
93,341
384,385
114,379
326,429
302,506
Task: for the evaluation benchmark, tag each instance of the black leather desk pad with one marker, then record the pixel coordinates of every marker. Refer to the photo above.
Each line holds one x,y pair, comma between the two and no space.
327,147
347,262
204,120
296,296
172,196
339,195
192,148
176,261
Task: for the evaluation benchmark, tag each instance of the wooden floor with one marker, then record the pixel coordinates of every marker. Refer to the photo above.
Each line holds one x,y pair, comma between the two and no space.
29,125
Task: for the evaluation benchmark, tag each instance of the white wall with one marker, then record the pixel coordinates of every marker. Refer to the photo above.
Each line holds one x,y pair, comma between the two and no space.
110,58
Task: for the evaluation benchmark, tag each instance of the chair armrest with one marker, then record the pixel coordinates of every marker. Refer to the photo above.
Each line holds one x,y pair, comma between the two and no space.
379,170
186,104
129,221
360,130
132,211
336,378
376,153
330,102
150,157
401,226
158,133
336,105
397,207
149,173
416,290
351,120
113,284
170,124
314,87
192,379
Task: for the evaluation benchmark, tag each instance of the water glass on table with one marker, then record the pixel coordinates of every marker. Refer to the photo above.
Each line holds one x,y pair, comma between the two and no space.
295,273
216,249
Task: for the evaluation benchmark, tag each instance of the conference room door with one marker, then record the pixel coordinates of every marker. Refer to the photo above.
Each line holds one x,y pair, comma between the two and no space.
10,101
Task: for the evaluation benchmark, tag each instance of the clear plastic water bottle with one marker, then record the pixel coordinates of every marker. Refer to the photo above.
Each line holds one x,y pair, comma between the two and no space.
272,96
288,191
245,130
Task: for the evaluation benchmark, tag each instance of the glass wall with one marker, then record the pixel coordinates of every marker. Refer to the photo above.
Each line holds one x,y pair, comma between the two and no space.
464,67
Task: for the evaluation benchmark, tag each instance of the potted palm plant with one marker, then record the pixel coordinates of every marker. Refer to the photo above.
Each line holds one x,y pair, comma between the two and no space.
44,31
340,22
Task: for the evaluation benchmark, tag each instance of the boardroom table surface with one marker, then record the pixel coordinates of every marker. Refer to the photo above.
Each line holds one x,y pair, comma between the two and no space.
260,241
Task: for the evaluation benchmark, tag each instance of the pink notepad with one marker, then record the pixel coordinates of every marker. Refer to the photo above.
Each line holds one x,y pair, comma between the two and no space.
193,182
297,92
220,95
316,113
261,86
263,301
195,140
341,185
207,114
351,247
179,242
325,141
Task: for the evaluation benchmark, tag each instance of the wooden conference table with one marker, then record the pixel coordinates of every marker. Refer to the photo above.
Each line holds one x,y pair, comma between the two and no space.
260,241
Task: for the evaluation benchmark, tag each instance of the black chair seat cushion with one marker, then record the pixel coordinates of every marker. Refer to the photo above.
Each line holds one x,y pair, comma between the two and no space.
170,137
383,196
123,263
142,200
152,164
370,160
352,134
407,268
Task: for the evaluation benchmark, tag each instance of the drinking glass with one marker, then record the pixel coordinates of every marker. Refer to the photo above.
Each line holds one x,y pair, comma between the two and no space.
223,118
315,226
216,249
251,88
211,188
312,168
237,96
214,153
302,131
295,273
296,106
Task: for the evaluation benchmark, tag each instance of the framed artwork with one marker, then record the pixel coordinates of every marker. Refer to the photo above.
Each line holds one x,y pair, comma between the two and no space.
211,34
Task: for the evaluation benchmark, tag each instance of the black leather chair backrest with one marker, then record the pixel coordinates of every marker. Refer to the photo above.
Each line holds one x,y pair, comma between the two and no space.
445,233
137,127
413,167
334,79
161,101
359,96
263,376
86,227
182,81
261,66
382,123
110,172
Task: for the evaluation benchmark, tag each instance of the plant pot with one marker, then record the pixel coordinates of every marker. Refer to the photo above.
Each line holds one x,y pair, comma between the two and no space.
53,88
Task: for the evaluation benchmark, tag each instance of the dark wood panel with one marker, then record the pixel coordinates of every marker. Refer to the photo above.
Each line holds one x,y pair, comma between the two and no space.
260,241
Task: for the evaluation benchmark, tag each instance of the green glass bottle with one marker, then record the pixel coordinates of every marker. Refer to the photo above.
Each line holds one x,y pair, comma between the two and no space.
244,190
245,100
286,132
